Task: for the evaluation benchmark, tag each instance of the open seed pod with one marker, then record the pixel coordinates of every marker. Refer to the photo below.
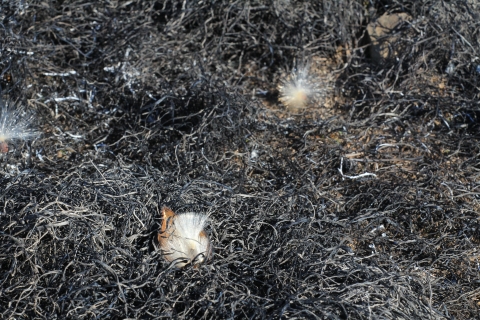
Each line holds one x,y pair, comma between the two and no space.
182,238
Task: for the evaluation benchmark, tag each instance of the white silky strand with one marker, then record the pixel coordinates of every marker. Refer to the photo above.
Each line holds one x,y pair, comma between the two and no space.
187,240
14,125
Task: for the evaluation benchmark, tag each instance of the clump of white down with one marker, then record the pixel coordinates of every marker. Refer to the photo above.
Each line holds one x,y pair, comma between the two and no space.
15,123
187,239
298,89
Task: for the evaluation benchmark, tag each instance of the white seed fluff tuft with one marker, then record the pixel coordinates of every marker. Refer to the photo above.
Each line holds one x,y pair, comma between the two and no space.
187,241
298,89
15,123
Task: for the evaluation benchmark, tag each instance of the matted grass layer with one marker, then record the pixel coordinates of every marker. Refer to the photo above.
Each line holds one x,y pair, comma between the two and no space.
363,205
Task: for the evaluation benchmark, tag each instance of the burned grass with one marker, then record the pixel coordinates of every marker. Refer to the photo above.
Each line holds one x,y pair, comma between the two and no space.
364,204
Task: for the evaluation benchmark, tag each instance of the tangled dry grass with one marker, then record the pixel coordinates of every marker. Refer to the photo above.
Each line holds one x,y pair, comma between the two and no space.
364,205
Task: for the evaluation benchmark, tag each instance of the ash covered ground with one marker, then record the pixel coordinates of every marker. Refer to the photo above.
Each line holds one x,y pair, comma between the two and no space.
362,205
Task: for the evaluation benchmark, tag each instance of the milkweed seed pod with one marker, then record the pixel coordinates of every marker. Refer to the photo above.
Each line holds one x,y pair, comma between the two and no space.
15,124
182,238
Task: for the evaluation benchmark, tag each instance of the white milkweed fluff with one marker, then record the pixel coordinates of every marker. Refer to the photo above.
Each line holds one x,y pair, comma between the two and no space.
298,89
15,124
182,238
